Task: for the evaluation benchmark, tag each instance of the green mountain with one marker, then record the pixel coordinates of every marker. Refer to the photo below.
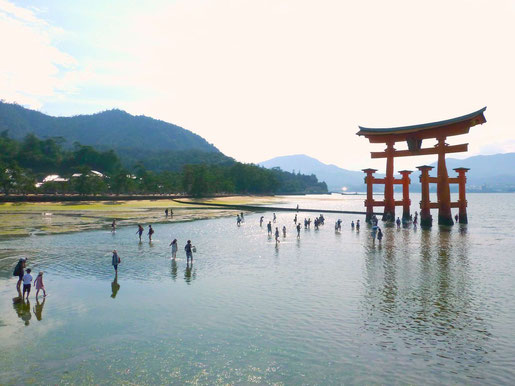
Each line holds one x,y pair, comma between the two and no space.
113,129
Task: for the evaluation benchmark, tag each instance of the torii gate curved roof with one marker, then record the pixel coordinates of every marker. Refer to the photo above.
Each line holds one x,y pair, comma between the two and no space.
453,126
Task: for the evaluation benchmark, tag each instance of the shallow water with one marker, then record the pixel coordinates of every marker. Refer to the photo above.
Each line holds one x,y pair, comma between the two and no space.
424,307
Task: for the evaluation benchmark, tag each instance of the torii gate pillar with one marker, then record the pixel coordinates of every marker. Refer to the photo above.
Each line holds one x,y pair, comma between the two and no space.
369,202
406,202
443,191
426,220
389,198
462,201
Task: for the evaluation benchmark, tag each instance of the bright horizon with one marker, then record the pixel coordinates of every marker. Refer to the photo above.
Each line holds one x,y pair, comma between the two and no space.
263,79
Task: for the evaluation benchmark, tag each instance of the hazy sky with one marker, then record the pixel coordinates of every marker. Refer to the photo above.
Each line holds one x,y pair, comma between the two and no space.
265,78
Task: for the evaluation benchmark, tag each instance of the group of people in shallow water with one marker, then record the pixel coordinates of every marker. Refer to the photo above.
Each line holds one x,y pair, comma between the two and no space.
25,277
21,303
406,221
140,231
318,221
188,248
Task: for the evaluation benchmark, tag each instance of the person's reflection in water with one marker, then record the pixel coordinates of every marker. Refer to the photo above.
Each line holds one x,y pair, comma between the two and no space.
189,273
115,287
174,269
18,304
38,309
276,250
23,311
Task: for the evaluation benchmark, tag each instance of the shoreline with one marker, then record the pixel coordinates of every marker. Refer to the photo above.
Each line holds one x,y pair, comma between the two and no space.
45,218
41,198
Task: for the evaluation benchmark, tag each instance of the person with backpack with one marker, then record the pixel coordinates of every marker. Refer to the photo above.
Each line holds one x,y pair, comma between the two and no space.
19,271
115,261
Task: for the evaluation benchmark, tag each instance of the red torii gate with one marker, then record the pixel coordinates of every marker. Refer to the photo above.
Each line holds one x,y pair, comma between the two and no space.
414,135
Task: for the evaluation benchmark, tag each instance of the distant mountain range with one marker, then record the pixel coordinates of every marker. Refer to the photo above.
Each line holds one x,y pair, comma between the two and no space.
494,172
488,172
157,144
335,177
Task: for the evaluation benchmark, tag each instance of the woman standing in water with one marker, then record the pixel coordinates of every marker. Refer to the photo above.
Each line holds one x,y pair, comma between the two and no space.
139,231
174,248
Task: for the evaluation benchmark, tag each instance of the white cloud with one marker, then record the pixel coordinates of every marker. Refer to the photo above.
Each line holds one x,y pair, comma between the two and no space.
32,66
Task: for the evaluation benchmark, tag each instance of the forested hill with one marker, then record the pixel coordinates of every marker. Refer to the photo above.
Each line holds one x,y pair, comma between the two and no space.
113,129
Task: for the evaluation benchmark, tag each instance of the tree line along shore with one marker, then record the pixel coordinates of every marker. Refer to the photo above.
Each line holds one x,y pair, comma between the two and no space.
42,169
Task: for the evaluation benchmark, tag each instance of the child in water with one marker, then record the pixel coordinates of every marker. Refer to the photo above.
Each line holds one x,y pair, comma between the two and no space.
39,284
27,280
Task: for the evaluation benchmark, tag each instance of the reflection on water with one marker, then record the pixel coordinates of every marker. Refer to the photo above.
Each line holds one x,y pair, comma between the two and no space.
424,305
22,309
38,309
421,307
174,269
115,287
190,273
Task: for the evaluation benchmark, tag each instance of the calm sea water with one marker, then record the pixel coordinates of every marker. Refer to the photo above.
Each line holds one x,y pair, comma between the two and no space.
423,307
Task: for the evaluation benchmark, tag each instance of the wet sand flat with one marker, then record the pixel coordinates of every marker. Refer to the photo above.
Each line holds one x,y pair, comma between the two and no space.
25,219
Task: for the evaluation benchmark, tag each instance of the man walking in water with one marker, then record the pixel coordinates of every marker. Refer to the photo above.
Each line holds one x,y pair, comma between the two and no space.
189,251
298,230
276,235
115,260
261,221
150,233
269,227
